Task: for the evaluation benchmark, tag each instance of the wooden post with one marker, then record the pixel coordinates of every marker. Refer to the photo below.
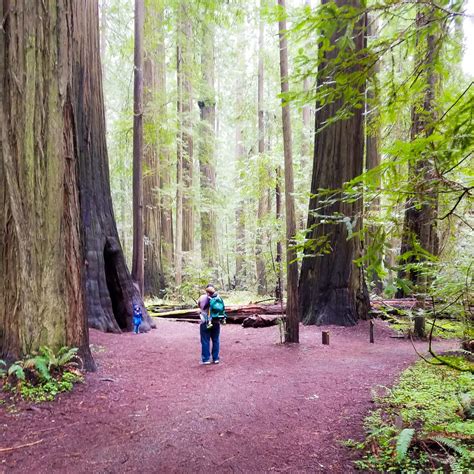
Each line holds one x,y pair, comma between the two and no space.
325,335
371,332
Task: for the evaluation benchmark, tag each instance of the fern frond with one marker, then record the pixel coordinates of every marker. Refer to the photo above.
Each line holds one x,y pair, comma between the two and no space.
403,442
453,445
17,371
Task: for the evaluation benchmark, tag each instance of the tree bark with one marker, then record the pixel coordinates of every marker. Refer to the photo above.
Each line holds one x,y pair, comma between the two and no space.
110,291
421,209
263,198
154,282
332,288
375,233
207,106
185,124
164,150
41,247
138,236
292,319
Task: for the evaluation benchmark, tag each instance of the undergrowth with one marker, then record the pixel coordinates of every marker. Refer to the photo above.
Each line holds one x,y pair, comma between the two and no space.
43,375
424,424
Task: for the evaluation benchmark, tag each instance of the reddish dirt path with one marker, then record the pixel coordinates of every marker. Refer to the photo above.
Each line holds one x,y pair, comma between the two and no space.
151,407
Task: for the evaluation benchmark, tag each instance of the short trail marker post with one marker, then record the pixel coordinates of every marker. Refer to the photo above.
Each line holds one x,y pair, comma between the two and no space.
325,336
371,332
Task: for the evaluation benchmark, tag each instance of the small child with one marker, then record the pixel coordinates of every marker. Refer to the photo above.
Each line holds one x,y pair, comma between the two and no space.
137,318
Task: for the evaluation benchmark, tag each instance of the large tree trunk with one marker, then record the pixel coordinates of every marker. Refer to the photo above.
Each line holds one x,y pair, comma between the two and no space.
240,234
41,248
292,319
263,197
421,210
110,291
138,237
207,106
332,289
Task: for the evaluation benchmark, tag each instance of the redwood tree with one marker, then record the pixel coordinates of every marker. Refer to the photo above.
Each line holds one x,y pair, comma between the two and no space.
110,291
421,210
41,248
138,236
332,288
207,106
292,319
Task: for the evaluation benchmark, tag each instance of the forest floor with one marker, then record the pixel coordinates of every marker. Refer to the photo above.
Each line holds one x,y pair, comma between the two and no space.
152,408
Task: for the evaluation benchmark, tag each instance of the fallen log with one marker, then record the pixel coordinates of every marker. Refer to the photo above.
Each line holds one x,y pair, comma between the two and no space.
238,313
261,320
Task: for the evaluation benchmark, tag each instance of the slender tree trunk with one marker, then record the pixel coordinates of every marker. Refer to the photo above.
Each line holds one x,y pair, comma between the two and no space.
138,236
292,319
421,210
164,158
332,287
306,135
185,38
178,246
279,250
375,233
153,273
207,106
240,270
263,198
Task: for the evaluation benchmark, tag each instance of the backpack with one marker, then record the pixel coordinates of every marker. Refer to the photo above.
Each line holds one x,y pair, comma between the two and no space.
216,307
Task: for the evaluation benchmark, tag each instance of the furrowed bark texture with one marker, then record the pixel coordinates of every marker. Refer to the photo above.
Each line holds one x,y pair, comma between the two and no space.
41,247
110,291
207,106
421,209
332,289
292,317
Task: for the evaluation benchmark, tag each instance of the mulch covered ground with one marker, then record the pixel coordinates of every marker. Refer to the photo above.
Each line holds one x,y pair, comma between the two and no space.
151,407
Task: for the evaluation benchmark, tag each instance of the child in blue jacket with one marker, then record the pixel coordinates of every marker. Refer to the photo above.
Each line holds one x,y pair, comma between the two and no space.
137,318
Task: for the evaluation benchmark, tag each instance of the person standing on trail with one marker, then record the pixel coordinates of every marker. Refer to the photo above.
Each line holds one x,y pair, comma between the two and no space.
212,313
137,318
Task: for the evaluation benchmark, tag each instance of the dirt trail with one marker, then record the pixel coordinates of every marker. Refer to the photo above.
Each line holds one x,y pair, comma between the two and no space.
152,408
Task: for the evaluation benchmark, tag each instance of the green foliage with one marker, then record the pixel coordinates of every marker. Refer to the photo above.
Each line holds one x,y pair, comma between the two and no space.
423,424
42,376
403,443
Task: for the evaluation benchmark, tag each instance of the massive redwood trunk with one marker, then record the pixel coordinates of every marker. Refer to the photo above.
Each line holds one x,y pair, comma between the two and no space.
332,289
41,246
110,291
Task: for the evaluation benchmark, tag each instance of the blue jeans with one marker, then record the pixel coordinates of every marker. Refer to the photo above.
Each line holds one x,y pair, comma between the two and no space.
136,328
206,336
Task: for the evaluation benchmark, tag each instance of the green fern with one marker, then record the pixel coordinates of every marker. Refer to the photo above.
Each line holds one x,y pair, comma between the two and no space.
453,445
66,355
16,370
403,443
